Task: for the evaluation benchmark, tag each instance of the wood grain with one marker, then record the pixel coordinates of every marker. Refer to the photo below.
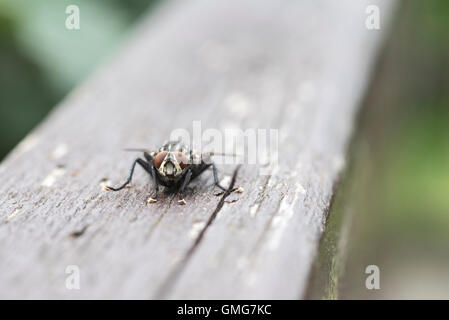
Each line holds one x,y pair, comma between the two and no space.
300,67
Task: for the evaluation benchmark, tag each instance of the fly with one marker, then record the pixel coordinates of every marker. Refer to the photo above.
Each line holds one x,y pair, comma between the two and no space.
173,166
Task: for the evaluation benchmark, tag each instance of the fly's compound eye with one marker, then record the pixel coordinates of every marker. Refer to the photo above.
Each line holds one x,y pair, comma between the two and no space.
182,160
159,159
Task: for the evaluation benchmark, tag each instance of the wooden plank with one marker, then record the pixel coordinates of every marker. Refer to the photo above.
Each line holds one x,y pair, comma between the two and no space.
300,67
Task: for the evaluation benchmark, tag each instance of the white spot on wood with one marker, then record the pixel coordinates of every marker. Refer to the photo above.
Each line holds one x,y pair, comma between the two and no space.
237,104
196,229
27,144
280,222
225,181
283,217
104,183
60,151
14,213
253,210
53,176
300,189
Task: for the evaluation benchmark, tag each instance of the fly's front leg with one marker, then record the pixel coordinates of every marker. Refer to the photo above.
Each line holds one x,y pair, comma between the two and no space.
142,163
184,184
152,170
217,183
156,185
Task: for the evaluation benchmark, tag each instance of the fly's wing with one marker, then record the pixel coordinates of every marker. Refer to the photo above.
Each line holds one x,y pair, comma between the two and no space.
149,154
207,156
141,150
175,145
202,161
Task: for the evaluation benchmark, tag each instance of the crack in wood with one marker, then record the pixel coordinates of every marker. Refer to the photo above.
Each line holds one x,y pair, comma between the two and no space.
168,284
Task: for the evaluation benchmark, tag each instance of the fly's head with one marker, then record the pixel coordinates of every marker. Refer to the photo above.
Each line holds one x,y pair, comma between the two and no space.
171,164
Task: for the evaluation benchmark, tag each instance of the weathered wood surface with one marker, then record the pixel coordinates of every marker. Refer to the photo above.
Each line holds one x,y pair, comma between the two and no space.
297,66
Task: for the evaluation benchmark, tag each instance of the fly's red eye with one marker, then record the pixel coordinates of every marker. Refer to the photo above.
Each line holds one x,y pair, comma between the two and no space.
159,159
182,160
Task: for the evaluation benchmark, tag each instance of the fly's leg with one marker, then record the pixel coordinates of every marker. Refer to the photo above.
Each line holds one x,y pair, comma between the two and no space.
156,186
184,184
150,158
217,183
142,163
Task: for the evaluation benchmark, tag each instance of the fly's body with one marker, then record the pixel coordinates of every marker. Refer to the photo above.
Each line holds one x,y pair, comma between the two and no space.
173,166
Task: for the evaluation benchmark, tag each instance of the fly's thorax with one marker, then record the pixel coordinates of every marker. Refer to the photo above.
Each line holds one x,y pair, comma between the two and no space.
175,146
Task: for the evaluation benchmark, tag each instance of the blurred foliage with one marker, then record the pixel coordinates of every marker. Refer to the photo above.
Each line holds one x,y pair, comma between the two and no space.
41,60
415,179
392,209
401,205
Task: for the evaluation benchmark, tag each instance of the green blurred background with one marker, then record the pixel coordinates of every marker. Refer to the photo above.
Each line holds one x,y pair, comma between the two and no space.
394,208
401,210
41,60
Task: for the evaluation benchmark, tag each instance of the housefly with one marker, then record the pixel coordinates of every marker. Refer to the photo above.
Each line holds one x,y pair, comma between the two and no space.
174,166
